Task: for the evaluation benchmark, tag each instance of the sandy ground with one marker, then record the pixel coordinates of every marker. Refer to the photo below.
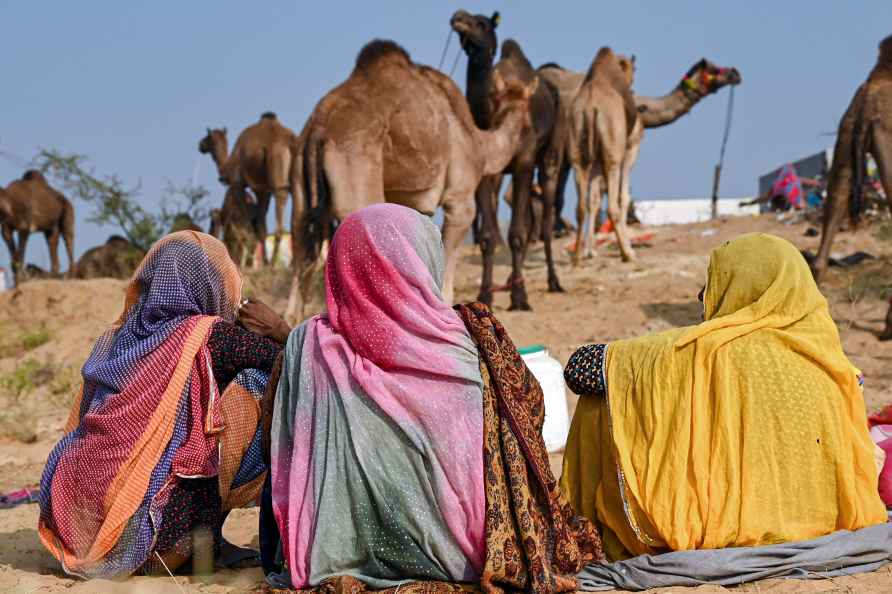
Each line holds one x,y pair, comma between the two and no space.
604,300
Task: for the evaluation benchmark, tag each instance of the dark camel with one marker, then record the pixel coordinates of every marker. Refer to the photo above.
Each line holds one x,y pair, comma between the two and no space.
399,132
234,225
476,33
116,258
30,204
866,127
477,36
261,160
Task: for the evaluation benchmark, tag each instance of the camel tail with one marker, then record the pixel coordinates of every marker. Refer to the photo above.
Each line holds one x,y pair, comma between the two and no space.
317,196
859,163
590,125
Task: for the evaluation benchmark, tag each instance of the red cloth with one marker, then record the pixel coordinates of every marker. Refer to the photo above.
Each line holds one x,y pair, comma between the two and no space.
881,432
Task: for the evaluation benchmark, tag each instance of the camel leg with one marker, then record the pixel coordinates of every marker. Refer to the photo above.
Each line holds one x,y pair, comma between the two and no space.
881,140
18,261
281,202
459,214
613,175
485,238
835,206
52,242
522,179
294,309
594,198
263,199
549,185
625,196
562,177
582,210
9,240
67,229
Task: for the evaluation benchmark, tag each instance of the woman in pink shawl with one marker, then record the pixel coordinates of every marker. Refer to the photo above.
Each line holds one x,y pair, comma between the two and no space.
406,435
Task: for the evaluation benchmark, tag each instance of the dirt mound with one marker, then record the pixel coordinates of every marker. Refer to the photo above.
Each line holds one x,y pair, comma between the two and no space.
47,329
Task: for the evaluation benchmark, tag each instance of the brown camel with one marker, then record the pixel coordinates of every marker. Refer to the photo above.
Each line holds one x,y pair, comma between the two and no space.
866,127
701,80
116,258
604,136
399,132
30,204
261,160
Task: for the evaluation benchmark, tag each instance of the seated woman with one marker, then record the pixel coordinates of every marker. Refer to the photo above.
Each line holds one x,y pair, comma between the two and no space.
747,429
406,435
162,440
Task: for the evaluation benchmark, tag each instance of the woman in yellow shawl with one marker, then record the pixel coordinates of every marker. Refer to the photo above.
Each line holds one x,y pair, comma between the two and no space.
747,429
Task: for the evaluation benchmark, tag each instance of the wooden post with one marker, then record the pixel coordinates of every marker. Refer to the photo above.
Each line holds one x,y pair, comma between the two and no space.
717,175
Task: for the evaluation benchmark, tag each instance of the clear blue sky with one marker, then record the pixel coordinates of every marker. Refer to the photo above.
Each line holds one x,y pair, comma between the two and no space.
133,85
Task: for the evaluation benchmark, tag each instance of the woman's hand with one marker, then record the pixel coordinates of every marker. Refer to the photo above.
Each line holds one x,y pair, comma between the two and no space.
260,319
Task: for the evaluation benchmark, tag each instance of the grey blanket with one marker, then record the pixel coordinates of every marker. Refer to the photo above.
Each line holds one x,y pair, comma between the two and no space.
840,553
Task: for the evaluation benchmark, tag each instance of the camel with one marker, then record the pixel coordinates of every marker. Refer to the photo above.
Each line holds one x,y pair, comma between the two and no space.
234,223
398,132
866,127
261,160
477,36
604,137
702,79
116,258
30,204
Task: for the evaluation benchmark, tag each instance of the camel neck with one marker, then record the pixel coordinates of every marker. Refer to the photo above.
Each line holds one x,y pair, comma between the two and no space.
661,111
500,143
219,156
477,88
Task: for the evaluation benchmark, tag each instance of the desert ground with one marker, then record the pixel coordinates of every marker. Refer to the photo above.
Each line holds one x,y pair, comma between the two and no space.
47,328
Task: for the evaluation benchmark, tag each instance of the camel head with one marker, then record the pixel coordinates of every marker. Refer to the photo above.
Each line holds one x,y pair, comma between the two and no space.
705,78
627,65
508,93
216,144
476,33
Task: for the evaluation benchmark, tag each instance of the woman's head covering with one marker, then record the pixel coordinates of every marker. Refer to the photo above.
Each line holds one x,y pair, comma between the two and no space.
714,422
144,411
378,426
185,273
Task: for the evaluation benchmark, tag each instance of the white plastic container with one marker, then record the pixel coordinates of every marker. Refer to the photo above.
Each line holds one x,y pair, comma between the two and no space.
548,371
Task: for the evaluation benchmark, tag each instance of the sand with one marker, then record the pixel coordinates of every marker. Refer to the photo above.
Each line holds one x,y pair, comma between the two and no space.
604,300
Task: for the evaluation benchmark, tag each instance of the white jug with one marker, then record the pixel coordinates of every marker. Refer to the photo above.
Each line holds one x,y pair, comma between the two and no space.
548,371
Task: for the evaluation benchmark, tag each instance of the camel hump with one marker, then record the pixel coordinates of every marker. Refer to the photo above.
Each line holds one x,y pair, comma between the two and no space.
882,72
886,51
117,240
380,49
33,175
606,65
268,115
511,50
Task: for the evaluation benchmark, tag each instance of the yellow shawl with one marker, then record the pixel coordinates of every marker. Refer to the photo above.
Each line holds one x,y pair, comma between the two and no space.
747,429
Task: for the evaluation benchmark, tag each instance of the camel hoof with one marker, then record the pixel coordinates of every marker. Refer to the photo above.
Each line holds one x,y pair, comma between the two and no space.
485,299
520,307
519,301
554,286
